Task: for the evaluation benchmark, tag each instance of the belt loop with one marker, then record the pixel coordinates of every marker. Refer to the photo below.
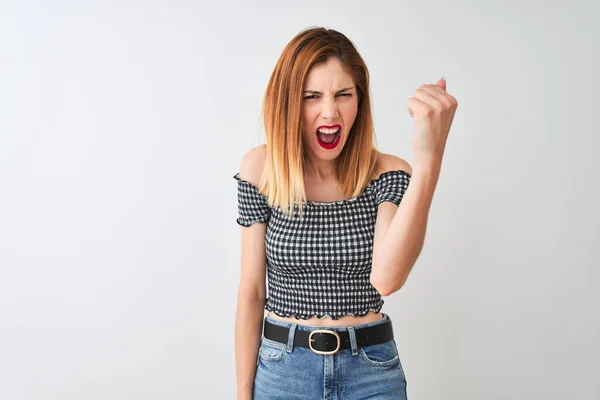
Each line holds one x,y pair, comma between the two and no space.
353,344
290,342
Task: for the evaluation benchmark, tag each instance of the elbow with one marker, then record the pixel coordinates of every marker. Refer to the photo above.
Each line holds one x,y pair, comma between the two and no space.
252,293
388,290
386,285
383,291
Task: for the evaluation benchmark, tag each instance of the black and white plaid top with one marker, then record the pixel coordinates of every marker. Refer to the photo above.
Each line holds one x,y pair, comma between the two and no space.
320,264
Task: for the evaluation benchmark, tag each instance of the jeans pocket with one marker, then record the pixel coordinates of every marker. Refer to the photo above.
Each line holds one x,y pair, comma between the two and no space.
271,350
381,355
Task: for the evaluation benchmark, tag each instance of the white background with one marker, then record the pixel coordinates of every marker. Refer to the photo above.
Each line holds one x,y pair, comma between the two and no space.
122,124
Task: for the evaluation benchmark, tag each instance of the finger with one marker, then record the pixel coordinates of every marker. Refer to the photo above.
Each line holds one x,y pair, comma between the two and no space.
427,96
435,92
442,83
442,97
417,108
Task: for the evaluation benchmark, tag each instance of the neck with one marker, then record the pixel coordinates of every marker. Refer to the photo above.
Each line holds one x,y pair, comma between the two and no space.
320,170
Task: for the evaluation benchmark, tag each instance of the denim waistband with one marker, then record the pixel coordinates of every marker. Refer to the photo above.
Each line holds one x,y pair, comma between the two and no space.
342,328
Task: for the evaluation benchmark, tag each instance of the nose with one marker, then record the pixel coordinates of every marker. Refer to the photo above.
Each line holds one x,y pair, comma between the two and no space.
329,109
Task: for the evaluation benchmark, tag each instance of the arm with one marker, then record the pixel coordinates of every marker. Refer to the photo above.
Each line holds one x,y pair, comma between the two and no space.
251,291
250,308
400,230
399,234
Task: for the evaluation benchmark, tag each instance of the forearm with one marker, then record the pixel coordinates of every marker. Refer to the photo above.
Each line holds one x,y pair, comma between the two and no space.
248,332
405,235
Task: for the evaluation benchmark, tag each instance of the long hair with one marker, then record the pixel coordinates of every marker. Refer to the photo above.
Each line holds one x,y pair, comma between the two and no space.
283,175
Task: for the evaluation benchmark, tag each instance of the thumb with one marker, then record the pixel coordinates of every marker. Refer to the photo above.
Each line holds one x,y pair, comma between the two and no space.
442,83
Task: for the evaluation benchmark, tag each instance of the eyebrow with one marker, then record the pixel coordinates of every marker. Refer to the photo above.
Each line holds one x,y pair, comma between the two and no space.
339,91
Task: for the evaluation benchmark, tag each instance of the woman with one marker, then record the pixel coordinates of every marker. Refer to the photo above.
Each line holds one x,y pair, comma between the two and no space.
333,223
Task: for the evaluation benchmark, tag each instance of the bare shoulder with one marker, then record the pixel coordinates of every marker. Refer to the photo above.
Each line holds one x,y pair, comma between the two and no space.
390,162
252,164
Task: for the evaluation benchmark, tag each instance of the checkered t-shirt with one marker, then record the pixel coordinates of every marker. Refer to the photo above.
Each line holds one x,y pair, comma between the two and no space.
320,264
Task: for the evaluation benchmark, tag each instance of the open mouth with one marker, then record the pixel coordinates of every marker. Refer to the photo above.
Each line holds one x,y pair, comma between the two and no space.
329,137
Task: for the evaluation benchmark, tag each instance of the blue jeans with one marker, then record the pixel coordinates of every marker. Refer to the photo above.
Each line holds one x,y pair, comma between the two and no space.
287,372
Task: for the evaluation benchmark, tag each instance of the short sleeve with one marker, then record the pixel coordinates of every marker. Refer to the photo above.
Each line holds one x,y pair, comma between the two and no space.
390,186
253,206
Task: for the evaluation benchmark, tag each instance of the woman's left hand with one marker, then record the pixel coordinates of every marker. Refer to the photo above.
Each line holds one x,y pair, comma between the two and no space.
433,109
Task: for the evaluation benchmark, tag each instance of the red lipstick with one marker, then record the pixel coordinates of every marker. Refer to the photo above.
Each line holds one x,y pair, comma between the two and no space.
325,143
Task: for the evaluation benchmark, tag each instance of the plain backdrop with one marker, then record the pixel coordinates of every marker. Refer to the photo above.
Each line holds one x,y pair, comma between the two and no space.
122,124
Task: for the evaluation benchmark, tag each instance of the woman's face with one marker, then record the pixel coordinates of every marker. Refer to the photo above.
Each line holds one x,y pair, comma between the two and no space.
329,108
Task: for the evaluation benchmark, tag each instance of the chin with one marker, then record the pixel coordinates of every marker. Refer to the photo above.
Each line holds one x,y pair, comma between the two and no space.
328,155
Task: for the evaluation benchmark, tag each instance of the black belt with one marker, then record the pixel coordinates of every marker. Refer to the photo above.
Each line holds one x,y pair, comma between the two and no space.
326,341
